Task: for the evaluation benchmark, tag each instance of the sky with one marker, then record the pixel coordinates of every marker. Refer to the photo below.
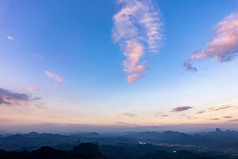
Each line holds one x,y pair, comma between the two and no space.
118,64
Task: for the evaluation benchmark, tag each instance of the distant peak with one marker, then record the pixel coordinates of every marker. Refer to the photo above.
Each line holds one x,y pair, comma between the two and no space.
218,130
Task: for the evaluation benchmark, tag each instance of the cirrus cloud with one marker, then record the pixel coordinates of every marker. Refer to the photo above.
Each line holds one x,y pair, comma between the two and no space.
137,29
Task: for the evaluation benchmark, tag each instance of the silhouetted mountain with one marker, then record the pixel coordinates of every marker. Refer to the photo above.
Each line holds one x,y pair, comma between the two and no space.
218,140
121,151
82,151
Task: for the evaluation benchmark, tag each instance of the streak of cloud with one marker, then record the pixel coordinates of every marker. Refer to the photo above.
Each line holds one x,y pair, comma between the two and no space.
223,45
200,112
54,76
125,124
220,107
234,120
227,117
179,109
126,114
214,119
137,29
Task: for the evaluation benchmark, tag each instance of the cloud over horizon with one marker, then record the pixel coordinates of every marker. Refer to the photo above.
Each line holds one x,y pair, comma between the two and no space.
223,45
179,109
137,29
9,97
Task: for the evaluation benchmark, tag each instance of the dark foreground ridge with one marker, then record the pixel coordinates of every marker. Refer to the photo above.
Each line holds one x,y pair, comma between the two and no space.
217,144
93,151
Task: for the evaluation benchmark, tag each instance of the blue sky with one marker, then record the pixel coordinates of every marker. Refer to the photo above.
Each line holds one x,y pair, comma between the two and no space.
88,82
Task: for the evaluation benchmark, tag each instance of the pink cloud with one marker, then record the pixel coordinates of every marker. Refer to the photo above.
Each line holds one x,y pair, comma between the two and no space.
223,45
8,98
133,78
179,109
137,28
33,88
54,76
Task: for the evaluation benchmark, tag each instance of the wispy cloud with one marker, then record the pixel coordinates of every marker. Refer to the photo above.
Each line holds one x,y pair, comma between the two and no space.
220,107
214,119
160,114
179,109
234,120
223,45
137,29
200,112
33,88
9,97
36,98
10,37
126,114
54,76
227,117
